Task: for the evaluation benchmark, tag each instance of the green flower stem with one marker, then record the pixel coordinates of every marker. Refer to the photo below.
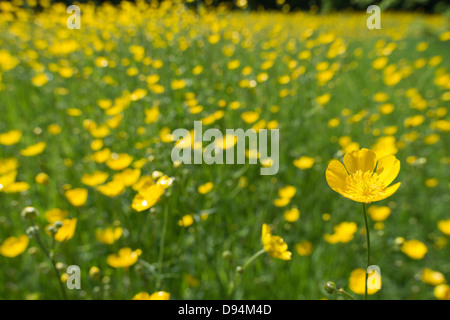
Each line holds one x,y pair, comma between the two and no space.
238,274
51,256
345,293
368,250
161,247
252,258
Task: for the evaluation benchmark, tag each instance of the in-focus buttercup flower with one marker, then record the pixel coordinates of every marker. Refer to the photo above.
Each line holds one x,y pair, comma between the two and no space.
359,181
414,249
14,246
159,295
274,245
357,282
124,259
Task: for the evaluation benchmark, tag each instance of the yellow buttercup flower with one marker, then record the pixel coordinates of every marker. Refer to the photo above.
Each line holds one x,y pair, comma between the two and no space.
108,235
442,292
432,277
111,189
77,197
159,295
127,177
94,179
33,150
444,226
343,233
186,220
124,259
66,231
304,162
205,188
56,214
147,197
357,282
13,246
119,161
274,245
11,137
291,215
414,249
379,213
41,178
304,248
358,181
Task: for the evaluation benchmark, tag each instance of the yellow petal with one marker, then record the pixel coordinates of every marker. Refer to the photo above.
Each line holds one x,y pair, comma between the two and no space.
363,160
388,168
336,175
389,191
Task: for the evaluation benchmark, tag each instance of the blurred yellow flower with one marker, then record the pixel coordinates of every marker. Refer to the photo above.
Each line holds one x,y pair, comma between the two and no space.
432,277
444,226
124,259
186,220
147,197
159,295
33,150
13,246
94,179
274,245
414,249
343,233
56,214
304,162
357,282
119,161
112,188
41,178
205,188
67,230
11,137
304,248
108,235
291,215
442,292
77,197
358,181
379,213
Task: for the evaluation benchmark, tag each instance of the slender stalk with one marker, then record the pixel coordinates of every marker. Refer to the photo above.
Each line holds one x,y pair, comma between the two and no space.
345,293
238,274
161,247
368,249
50,255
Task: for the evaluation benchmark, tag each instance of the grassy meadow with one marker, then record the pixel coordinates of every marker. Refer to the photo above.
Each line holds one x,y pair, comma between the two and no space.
86,117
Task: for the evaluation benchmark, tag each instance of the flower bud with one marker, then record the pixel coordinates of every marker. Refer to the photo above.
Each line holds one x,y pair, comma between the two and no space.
330,287
94,273
239,269
29,213
226,255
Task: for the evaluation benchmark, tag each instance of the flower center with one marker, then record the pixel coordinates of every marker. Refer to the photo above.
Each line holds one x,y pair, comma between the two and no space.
365,186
